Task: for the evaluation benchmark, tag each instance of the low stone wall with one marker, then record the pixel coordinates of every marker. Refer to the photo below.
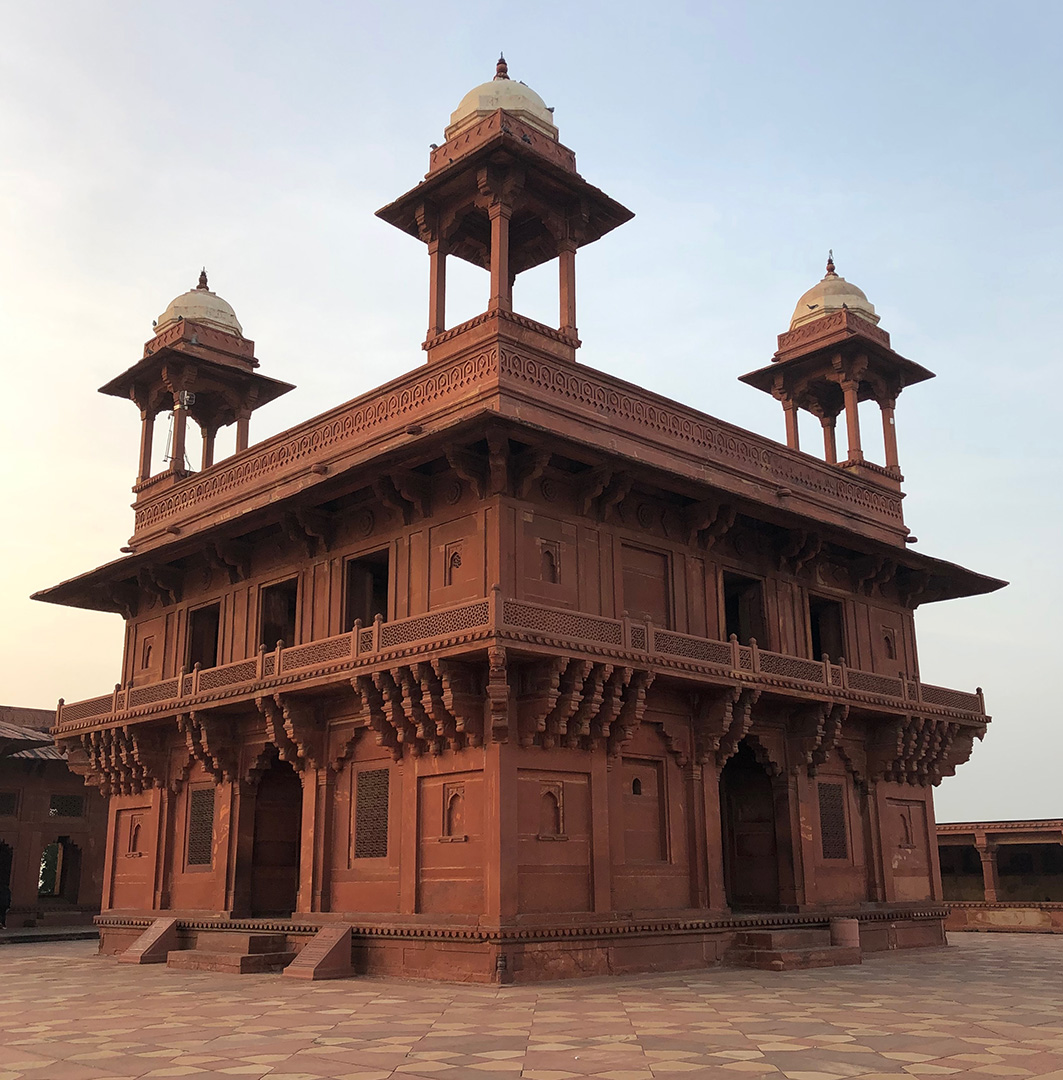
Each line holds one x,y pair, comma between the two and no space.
528,955
1010,918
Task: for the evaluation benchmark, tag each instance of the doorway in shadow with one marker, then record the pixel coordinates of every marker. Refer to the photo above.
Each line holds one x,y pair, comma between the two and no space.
750,853
275,853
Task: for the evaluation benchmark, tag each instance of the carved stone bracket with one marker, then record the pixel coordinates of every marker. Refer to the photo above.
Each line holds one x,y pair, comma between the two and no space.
708,521
422,708
162,582
209,740
405,492
310,528
815,731
296,728
580,704
118,761
721,721
871,570
920,749
232,556
527,467
798,550
498,693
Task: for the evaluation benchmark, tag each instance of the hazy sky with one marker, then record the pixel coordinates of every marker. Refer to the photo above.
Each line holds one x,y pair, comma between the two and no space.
921,141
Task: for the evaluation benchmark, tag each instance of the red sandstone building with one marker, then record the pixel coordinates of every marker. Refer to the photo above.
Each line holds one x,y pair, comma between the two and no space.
518,669
1003,875
52,830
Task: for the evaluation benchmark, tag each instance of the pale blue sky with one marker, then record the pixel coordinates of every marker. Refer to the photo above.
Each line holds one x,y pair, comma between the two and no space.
139,141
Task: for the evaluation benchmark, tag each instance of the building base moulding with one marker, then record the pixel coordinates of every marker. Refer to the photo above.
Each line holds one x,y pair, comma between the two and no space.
1022,917
534,954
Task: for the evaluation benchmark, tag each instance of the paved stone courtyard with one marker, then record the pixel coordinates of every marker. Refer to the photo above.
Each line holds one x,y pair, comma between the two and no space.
989,1006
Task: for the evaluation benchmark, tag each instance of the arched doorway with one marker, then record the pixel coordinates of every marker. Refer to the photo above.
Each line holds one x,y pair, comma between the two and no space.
275,853
750,855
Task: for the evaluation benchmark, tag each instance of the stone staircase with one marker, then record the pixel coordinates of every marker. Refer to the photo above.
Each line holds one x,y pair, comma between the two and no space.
235,953
789,950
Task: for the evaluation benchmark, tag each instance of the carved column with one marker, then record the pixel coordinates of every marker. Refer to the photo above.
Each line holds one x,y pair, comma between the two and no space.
437,287
715,879
501,282
243,429
241,848
793,436
987,852
830,442
326,798
166,844
695,798
889,433
180,426
308,828
567,276
851,388
147,431
209,434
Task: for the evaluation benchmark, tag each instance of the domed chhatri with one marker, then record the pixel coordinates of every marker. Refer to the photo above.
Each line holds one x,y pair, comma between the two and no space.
502,92
202,306
832,294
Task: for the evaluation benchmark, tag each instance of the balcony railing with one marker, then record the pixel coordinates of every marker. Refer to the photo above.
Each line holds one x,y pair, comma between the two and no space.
536,624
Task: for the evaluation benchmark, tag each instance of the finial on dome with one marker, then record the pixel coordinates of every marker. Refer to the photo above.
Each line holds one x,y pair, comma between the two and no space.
203,279
501,68
830,262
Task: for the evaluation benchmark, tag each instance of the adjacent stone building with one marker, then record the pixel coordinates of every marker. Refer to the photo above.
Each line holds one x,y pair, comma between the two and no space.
1003,875
517,668
52,830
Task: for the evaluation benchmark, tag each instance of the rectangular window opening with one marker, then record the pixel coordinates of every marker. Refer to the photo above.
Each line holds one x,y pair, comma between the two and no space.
832,821
66,806
827,621
743,601
8,804
203,625
277,608
200,826
367,589
371,814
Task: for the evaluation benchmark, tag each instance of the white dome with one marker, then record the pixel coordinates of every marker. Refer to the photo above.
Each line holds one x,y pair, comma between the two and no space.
502,92
832,294
202,306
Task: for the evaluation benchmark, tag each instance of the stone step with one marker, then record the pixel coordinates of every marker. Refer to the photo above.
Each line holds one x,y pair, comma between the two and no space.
240,941
797,938
792,959
232,963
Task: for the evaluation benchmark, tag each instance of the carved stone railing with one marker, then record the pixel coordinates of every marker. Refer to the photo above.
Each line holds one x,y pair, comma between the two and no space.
356,426
535,624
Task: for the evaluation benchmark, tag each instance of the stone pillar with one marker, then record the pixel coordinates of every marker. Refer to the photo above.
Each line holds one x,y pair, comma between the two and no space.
326,799
694,790
501,283
166,842
243,429
889,433
209,434
850,388
987,852
601,863
715,880
240,848
437,287
180,426
830,442
147,431
567,277
793,437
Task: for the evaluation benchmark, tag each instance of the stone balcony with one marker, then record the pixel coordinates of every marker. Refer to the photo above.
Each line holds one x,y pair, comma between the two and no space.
529,631
493,377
